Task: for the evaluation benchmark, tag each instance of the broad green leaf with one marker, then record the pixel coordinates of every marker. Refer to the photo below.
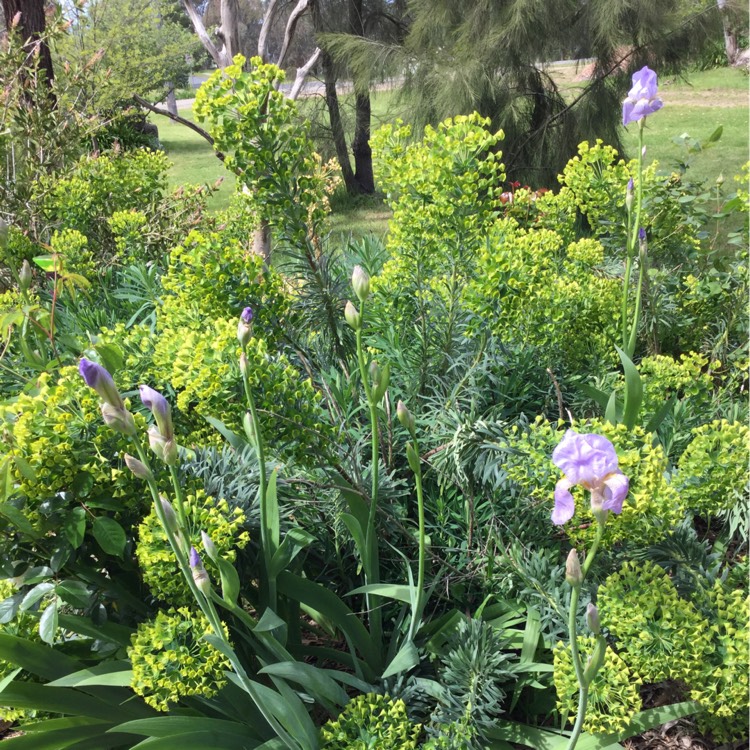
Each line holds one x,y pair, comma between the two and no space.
236,441
357,532
611,412
294,542
74,593
715,135
313,680
60,734
405,659
74,527
117,673
633,390
9,607
48,623
35,594
107,631
42,661
46,262
168,726
198,741
110,535
230,581
399,592
272,511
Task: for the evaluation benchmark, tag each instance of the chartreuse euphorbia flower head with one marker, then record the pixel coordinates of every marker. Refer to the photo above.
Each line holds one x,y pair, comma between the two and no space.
591,462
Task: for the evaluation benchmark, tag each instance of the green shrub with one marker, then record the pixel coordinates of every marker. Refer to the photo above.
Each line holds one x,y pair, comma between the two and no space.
712,473
371,722
172,660
613,697
651,509
658,635
532,288
156,559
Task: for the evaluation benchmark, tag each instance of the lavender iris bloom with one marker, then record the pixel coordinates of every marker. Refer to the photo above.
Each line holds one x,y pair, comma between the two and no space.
591,462
245,327
642,99
247,315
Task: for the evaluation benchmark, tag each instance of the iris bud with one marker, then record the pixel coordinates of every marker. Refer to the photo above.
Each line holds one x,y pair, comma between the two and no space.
165,449
209,546
352,316
159,407
24,276
629,195
3,233
245,327
200,576
573,572
243,365
596,660
96,377
170,517
361,283
592,619
138,467
119,419
405,417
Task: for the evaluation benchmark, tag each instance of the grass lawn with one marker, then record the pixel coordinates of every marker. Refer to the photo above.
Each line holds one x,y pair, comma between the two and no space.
696,105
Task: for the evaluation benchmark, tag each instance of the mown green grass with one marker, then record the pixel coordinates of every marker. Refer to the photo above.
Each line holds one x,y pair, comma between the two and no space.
696,104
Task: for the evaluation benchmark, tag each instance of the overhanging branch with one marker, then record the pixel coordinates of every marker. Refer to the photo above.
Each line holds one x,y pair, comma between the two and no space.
176,118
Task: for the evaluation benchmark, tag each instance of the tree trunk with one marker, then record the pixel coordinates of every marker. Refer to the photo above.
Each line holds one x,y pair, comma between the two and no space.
262,241
229,30
361,145
361,142
337,127
171,100
31,24
730,38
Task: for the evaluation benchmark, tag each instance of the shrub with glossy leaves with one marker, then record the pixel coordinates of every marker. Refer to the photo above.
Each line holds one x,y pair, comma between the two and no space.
613,697
156,559
371,721
172,660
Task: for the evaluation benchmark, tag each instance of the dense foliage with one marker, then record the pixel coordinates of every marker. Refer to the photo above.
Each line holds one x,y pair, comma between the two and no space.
310,504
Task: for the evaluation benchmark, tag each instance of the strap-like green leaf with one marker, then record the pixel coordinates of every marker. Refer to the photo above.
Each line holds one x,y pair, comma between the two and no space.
633,390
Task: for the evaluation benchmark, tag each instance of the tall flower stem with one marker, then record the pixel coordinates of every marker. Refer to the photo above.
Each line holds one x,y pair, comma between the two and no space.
419,604
266,540
583,684
371,564
630,329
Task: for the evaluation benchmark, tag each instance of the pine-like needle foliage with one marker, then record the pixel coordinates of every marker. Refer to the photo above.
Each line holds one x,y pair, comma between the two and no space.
490,56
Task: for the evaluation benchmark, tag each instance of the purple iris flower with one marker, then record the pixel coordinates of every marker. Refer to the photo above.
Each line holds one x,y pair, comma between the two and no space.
247,315
642,99
245,327
591,462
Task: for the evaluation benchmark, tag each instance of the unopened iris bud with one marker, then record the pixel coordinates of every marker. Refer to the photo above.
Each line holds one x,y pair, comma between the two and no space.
592,619
159,407
629,195
405,417
170,517
3,233
138,467
24,276
361,283
209,546
379,379
720,179
243,365
247,423
200,576
352,316
119,419
573,572
413,458
245,327
164,449
96,377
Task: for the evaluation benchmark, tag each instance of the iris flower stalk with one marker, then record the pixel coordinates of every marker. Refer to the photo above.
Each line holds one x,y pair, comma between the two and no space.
374,391
642,100
588,461
267,543
188,561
